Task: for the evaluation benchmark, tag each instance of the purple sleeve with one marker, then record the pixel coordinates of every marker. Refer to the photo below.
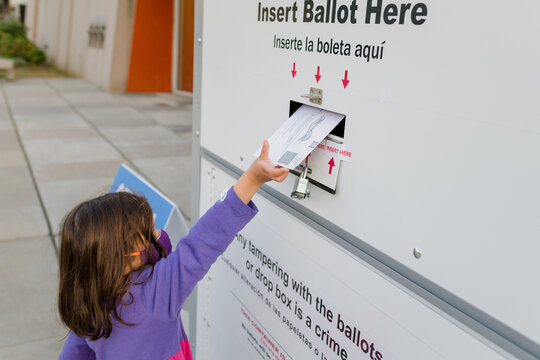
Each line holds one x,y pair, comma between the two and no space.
76,348
175,276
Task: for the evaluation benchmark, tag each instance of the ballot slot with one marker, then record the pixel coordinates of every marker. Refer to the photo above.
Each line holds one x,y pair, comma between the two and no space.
319,168
339,130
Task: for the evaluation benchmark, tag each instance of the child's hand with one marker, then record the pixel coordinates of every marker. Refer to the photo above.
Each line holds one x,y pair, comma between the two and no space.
261,171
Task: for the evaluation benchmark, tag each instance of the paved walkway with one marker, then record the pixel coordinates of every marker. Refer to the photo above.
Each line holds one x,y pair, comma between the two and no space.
61,142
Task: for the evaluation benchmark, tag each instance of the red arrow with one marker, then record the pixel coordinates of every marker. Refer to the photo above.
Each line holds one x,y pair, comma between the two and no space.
332,164
345,81
318,76
293,71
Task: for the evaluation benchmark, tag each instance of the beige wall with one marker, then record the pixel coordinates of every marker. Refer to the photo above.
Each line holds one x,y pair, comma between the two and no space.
99,61
122,45
78,43
47,27
30,18
62,35
62,31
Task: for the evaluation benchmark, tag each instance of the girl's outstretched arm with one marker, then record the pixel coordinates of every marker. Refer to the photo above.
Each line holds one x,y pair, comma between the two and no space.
175,276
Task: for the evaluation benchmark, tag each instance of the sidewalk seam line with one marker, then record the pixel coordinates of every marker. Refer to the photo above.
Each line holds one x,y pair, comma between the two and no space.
25,238
29,167
58,340
98,131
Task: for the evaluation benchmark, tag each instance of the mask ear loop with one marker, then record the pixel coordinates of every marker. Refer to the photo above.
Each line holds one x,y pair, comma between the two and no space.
134,254
137,253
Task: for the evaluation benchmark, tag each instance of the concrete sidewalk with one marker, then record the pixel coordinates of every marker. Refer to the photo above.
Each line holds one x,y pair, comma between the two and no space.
61,142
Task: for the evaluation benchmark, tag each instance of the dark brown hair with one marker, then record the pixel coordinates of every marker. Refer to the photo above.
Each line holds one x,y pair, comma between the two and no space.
95,237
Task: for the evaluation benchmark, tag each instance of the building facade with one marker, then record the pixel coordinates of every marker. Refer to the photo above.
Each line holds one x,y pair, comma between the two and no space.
119,45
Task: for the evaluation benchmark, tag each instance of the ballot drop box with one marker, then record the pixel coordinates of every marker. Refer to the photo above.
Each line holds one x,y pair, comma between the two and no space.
412,230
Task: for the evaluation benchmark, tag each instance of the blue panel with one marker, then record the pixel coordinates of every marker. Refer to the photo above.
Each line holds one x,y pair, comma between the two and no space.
127,180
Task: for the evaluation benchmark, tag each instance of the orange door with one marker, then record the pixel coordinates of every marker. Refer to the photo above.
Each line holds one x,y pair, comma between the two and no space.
185,66
150,65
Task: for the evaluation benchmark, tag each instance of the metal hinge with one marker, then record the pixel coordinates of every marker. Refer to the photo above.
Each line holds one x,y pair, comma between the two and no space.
314,96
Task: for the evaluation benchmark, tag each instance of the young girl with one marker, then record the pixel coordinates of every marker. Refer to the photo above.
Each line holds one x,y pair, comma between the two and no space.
120,293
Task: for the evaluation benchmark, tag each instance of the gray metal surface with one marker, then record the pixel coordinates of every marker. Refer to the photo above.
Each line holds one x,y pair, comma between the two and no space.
490,331
196,169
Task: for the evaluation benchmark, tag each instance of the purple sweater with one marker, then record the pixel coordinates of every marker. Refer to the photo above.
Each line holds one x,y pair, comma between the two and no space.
159,333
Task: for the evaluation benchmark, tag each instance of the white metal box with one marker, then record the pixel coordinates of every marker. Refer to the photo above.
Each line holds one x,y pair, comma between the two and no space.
445,129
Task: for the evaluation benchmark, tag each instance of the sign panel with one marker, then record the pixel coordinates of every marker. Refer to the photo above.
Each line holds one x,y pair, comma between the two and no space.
440,102
324,163
166,213
285,292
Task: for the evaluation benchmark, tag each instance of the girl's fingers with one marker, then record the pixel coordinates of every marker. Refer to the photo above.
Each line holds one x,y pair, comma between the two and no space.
280,174
275,172
264,151
282,177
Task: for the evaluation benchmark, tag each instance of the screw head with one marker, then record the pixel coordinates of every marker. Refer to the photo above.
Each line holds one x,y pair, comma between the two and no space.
241,157
197,133
417,253
199,40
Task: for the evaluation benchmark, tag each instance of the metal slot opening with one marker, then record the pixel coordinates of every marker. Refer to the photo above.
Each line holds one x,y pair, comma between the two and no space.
338,132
